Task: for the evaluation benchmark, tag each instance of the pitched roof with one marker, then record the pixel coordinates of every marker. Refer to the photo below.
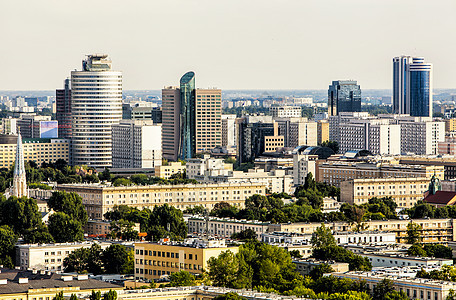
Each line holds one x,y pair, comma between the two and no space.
441,197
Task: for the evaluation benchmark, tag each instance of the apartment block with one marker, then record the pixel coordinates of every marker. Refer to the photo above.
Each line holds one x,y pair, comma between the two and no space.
208,119
204,168
404,191
450,125
297,131
136,144
48,257
154,260
335,172
322,131
97,228
285,111
37,150
101,198
224,227
33,126
302,165
448,163
229,131
433,230
167,171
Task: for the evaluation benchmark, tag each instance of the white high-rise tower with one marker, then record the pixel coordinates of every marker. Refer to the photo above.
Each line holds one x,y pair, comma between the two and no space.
19,179
96,94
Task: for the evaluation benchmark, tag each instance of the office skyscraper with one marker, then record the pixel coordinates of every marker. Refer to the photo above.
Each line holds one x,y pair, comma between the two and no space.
63,110
191,119
412,86
344,96
96,100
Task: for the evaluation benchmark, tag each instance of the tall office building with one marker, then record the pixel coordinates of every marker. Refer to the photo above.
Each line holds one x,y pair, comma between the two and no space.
412,86
63,110
191,119
96,100
344,96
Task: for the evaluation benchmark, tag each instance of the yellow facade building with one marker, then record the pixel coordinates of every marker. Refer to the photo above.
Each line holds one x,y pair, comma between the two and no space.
171,169
322,131
37,150
155,260
99,198
404,191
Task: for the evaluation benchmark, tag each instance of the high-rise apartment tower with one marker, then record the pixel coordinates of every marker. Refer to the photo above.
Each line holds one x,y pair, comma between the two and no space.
63,110
96,104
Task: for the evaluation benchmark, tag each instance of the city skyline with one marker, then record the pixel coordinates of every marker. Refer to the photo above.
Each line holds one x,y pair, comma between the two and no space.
303,45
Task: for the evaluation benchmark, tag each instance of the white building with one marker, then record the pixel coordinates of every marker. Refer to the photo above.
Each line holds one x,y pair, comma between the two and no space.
136,144
48,257
224,227
302,165
205,167
285,111
276,181
394,260
297,131
228,131
96,95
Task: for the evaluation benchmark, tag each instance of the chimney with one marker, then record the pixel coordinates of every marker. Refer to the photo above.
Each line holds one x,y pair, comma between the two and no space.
23,280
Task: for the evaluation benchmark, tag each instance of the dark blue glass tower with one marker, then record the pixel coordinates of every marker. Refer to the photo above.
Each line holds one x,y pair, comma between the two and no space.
344,96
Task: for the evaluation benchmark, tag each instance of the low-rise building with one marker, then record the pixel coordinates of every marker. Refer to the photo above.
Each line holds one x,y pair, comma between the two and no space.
403,260
224,227
170,169
204,168
101,198
95,228
342,238
432,230
38,150
42,285
154,260
305,266
330,205
48,257
285,111
276,181
414,288
404,191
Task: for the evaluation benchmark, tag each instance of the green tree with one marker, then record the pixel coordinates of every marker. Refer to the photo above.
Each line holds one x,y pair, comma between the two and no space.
8,241
84,260
39,235
223,270
416,250
166,220
413,233
245,235
105,175
117,260
70,204
123,229
95,295
119,181
64,228
111,295
382,289
182,278
73,297
322,237
331,144
320,270
395,295
59,296
21,214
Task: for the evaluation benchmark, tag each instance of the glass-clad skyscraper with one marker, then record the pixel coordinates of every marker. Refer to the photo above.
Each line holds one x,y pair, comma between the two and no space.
187,119
344,96
412,86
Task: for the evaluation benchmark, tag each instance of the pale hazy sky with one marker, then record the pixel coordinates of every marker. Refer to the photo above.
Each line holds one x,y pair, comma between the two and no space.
230,44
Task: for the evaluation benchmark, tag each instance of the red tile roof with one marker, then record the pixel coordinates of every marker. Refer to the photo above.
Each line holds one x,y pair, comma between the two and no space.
441,197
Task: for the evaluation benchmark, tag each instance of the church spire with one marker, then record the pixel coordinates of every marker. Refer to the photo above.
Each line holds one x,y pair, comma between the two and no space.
19,178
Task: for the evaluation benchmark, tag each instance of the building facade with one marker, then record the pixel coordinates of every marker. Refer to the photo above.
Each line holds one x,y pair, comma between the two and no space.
224,227
96,104
154,260
172,168
344,96
285,111
99,199
412,86
63,110
228,131
404,191
136,144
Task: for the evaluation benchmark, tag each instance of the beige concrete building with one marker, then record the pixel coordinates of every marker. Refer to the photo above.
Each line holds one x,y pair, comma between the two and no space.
99,199
224,227
272,143
171,169
37,150
276,181
285,111
433,230
154,260
448,162
170,118
297,131
302,165
48,257
335,172
414,288
450,125
322,131
404,191
95,228
305,266
208,119
205,167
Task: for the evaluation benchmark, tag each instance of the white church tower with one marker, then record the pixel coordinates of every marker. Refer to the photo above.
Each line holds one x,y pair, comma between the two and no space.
19,180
